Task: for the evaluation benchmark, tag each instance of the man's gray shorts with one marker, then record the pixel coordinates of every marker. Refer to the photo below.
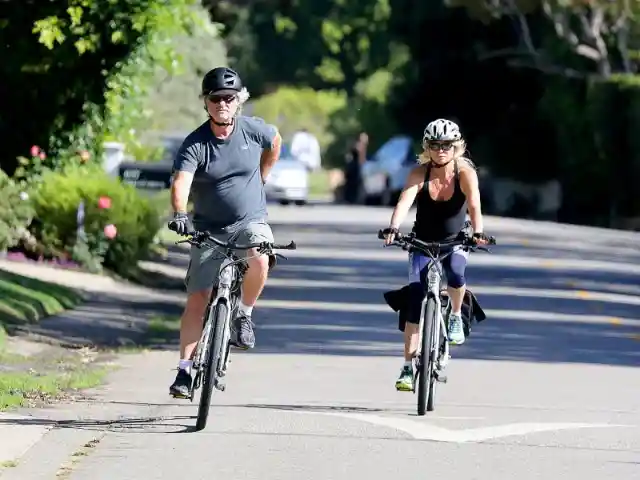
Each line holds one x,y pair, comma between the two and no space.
204,263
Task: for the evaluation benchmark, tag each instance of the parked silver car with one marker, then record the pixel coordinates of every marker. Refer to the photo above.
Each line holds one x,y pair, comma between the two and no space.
288,182
384,174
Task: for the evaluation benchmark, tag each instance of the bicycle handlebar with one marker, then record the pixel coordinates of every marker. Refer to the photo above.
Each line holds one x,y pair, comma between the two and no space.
411,240
197,238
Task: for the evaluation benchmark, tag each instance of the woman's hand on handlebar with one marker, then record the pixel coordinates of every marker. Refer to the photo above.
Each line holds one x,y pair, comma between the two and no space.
390,235
480,238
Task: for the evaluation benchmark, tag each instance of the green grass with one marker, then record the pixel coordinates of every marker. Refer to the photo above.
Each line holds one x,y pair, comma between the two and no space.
21,388
52,373
27,300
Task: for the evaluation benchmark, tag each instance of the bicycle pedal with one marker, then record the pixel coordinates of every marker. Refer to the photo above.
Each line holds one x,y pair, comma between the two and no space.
221,386
441,378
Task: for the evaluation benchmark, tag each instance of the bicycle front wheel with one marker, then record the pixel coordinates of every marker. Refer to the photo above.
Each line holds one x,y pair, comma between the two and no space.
425,368
211,364
437,345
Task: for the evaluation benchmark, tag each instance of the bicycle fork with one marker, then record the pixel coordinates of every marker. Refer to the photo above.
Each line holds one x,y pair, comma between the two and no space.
226,278
440,357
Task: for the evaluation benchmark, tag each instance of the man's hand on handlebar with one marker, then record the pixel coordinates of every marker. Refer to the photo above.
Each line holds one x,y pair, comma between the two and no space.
181,224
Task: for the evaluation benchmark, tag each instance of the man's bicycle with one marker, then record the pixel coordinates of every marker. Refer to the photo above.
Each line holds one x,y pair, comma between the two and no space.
211,355
432,354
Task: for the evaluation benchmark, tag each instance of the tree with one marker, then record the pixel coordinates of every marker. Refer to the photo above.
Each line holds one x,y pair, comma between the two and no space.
77,60
316,44
603,33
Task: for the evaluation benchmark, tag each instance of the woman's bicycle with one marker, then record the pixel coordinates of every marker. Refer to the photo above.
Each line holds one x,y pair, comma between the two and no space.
432,354
211,355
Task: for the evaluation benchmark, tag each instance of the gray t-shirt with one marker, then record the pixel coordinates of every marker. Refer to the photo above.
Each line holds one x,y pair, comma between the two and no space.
227,190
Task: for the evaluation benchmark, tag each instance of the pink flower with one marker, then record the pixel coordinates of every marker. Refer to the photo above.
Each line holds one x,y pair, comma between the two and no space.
110,231
35,151
104,202
42,155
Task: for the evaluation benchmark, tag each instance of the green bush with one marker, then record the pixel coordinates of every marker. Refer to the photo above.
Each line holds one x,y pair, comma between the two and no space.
15,213
56,200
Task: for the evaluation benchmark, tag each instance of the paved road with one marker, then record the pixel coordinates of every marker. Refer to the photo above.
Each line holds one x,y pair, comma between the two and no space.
546,388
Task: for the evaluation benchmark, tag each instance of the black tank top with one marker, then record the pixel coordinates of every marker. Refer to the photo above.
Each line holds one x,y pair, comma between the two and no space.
437,221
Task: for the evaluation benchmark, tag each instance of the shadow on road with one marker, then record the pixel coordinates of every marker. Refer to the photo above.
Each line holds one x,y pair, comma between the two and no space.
323,305
162,425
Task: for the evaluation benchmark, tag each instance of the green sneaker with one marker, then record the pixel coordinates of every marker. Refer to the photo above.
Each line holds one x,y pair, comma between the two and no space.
404,383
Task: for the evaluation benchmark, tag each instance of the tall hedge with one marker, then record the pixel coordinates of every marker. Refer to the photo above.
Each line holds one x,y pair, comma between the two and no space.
596,123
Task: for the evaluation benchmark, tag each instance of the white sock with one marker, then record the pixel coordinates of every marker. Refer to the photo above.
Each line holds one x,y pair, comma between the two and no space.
242,308
457,314
408,364
185,365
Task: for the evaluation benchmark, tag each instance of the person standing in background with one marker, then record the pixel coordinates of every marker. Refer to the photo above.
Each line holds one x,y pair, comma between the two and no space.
306,149
355,157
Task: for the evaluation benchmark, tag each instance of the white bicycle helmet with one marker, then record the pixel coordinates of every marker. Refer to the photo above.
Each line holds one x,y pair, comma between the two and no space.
441,130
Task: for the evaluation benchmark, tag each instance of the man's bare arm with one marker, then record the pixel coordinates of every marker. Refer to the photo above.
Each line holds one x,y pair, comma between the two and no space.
180,191
270,156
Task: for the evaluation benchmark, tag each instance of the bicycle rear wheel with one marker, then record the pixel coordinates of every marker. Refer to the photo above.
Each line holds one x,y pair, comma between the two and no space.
425,368
211,363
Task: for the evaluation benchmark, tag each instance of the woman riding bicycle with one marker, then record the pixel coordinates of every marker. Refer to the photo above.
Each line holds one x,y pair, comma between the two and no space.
446,186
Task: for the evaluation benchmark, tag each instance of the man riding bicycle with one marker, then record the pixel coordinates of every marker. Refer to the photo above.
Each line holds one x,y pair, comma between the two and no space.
446,186
223,164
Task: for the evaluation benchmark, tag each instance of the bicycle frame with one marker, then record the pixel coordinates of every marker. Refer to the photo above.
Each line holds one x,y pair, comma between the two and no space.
211,355
228,274
430,364
435,277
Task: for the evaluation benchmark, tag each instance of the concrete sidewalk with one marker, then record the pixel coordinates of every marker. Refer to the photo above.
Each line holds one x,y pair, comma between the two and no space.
114,314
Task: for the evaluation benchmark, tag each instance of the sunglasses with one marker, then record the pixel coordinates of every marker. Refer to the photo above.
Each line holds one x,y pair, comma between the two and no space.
438,145
221,98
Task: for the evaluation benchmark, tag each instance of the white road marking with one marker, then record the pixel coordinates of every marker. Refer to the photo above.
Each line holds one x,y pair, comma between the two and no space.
426,431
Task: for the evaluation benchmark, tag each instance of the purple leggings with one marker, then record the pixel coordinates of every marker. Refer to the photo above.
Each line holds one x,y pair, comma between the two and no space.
454,267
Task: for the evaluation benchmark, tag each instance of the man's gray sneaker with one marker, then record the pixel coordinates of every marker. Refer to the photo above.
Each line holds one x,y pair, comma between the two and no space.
243,327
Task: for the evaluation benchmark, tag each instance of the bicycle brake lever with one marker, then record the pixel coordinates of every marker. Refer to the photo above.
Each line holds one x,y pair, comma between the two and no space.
279,255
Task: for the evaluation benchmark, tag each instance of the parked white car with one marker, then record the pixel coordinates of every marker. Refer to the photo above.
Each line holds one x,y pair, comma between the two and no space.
288,182
384,174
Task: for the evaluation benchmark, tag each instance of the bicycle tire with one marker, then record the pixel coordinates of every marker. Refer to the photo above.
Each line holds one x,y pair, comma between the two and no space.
425,370
210,372
437,346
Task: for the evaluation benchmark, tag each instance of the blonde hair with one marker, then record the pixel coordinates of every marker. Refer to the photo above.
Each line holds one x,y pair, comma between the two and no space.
459,151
